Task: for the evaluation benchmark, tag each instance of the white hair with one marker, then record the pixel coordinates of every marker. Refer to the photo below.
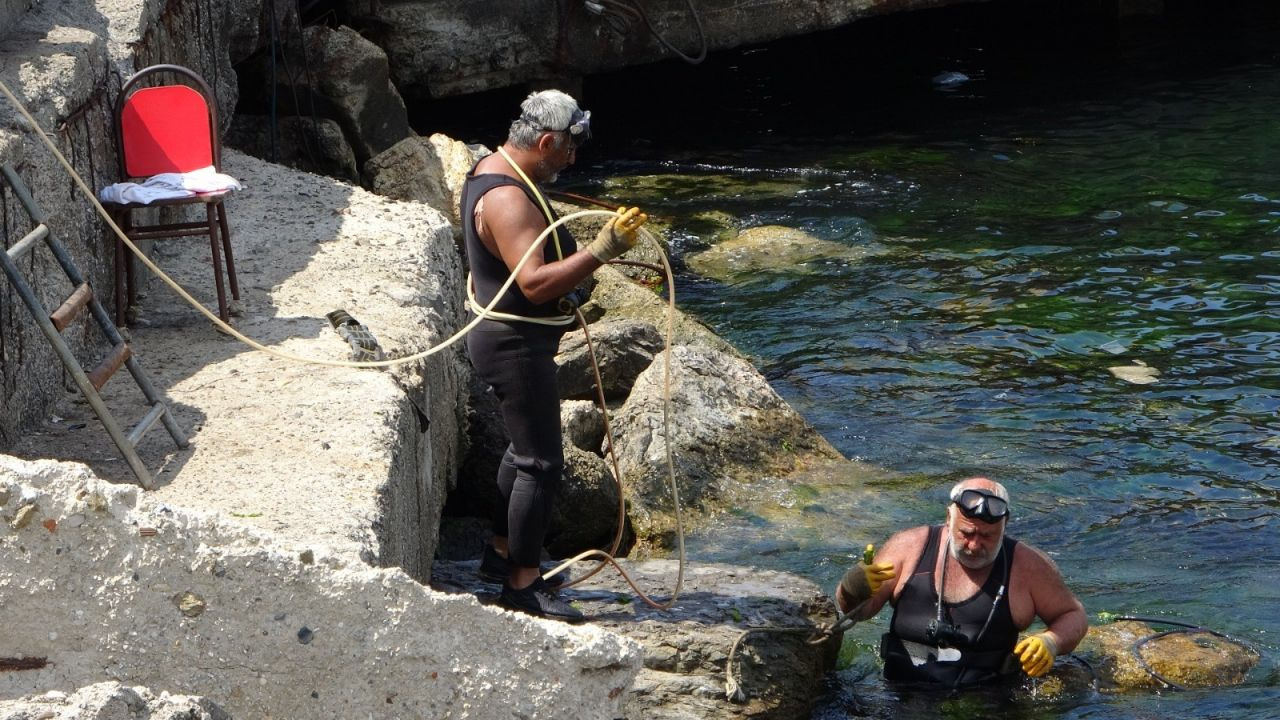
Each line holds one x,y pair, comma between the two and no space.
995,488
542,111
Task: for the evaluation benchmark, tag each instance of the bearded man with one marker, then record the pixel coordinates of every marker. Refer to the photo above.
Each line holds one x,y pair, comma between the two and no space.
962,592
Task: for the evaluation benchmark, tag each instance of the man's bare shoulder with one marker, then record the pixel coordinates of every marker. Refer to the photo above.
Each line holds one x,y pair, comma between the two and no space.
507,205
908,540
1029,558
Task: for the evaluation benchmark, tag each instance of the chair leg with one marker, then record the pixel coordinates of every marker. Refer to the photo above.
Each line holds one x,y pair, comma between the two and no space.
226,247
217,262
125,280
119,278
130,271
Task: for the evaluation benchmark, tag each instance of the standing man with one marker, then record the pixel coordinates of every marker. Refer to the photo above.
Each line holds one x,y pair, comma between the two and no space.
503,212
961,594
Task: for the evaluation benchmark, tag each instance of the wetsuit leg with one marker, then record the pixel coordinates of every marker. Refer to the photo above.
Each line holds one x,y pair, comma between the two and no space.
506,481
519,363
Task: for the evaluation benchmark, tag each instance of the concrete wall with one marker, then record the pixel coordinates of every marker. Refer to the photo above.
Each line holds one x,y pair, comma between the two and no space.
61,74
102,583
64,61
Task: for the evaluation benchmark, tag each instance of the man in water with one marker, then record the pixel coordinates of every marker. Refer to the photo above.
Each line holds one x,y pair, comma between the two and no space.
503,212
961,593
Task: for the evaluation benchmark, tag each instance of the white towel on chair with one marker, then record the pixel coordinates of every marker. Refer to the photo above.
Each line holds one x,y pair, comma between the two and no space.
169,185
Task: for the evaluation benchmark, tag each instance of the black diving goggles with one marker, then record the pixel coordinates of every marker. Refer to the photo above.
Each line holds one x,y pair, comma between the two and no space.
981,505
579,127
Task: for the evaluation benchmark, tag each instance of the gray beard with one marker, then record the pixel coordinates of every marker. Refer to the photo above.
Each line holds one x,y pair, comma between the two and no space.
972,562
543,176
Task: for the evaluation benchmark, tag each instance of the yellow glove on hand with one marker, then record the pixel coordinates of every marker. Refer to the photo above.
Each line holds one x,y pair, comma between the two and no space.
1036,653
877,574
864,580
618,235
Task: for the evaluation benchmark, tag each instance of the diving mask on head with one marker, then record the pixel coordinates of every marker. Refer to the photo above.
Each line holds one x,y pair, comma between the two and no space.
579,127
981,505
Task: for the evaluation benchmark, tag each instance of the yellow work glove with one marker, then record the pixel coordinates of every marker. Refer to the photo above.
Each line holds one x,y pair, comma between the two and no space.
618,235
1036,653
864,579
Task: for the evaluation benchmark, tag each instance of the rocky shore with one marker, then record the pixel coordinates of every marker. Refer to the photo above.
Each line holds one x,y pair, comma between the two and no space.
341,474
294,561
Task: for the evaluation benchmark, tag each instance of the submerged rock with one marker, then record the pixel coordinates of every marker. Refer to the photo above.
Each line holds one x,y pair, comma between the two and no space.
1134,655
768,248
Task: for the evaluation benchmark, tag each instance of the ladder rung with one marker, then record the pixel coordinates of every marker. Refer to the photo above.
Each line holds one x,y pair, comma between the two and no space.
110,364
52,326
135,435
65,315
21,247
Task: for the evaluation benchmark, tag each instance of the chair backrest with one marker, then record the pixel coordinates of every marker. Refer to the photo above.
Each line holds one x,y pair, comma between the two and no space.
166,128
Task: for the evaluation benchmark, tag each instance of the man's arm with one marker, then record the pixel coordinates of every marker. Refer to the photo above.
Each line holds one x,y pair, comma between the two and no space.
901,551
513,224
1054,603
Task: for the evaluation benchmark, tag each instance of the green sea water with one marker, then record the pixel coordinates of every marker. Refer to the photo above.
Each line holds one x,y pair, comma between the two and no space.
1023,197
1084,199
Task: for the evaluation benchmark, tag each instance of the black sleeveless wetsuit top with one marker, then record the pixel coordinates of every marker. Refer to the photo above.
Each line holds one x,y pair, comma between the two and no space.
488,272
910,656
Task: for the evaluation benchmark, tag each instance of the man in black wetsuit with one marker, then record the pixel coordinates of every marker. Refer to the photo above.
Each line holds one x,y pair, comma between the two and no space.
961,594
503,212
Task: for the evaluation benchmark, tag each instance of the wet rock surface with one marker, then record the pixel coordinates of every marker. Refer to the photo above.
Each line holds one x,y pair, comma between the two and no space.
770,248
1134,655
686,646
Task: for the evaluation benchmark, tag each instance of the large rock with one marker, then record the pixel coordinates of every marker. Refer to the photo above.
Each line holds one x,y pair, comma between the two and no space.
441,48
586,512
769,248
313,144
618,297
622,349
728,430
112,701
687,639
583,423
429,170
353,88
102,583
1131,654
686,674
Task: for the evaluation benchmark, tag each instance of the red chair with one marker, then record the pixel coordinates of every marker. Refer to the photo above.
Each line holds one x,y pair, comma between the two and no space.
169,128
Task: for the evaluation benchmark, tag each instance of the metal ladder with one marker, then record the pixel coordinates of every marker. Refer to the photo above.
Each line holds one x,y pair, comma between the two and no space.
52,324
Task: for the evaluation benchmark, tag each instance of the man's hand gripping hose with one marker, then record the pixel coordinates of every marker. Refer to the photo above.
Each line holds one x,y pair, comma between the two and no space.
618,235
864,580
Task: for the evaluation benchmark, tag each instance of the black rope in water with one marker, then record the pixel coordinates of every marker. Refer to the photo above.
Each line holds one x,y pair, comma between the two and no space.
1093,674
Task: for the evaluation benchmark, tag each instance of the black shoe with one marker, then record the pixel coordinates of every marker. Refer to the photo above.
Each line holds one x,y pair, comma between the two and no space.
539,600
495,569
